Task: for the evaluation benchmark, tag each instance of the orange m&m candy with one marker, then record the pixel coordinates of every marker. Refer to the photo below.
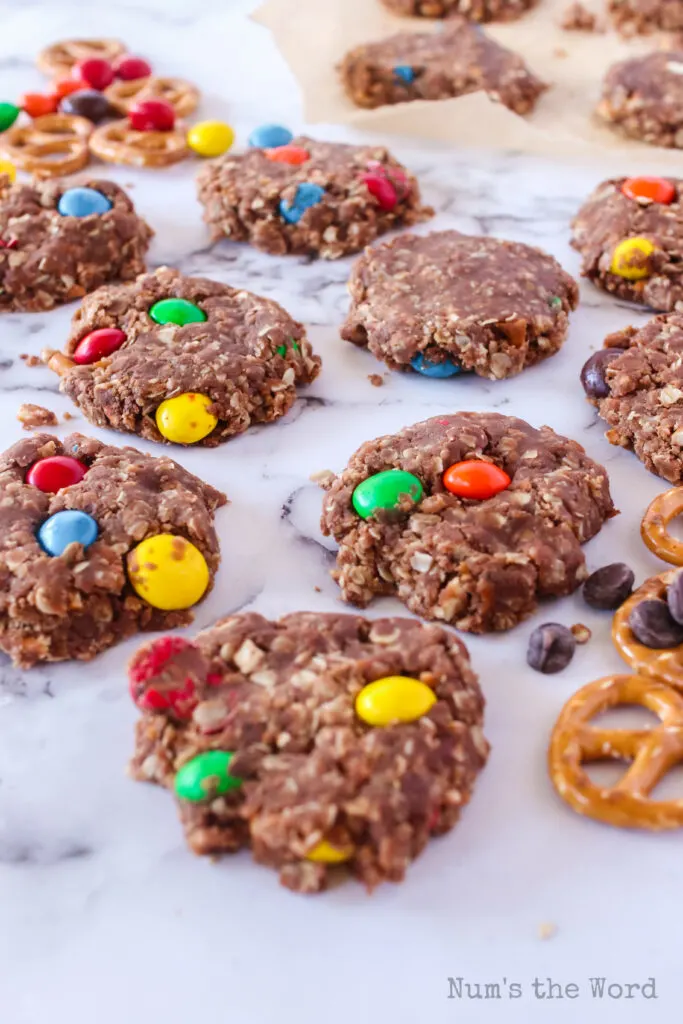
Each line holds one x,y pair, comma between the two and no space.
65,86
475,479
36,104
294,155
654,190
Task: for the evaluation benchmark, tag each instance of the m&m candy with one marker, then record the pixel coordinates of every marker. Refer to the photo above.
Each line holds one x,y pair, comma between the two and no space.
428,368
307,194
55,472
206,776
168,572
9,169
176,311
186,419
269,136
210,138
653,190
382,189
384,491
70,526
98,344
475,479
404,73
96,71
83,202
151,690
152,116
65,86
9,112
129,68
292,155
394,699
630,259
87,103
36,104
326,853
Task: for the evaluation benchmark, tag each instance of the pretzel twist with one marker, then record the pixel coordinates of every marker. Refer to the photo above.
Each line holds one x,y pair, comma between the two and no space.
51,145
653,529
118,143
652,753
59,58
183,96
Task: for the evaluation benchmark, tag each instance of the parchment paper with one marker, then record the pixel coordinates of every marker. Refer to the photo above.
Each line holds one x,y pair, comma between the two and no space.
313,36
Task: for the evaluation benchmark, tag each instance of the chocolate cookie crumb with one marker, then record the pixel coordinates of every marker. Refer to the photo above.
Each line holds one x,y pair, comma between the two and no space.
547,930
32,416
31,360
376,379
578,18
581,633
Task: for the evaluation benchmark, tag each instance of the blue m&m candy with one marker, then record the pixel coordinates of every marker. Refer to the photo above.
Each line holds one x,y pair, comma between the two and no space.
446,368
69,526
404,73
82,202
270,136
306,195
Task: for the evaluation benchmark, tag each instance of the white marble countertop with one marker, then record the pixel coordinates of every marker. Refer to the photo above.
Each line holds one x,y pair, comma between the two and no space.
104,915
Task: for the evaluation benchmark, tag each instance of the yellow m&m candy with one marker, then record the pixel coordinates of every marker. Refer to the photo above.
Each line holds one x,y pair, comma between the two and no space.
168,572
629,259
9,169
186,418
325,853
210,138
394,699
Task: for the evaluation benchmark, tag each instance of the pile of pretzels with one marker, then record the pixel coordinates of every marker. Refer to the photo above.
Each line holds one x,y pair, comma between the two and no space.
58,143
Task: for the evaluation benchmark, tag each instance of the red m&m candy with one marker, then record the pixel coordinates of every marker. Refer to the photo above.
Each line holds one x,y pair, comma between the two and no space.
655,190
382,189
98,344
475,479
152,116
96,71
162,676
129,68
57,471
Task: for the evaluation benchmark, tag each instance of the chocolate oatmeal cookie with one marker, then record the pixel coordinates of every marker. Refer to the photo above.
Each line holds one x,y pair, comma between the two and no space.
310,198
48,257
636,384
643,98
469,518
183,359
318,740
630,236
98,543
643,16
445,303
475,10
433,66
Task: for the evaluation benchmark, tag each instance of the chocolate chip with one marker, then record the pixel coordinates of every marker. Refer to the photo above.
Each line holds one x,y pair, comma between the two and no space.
608,587
593,372
551,648
87,103
674,598
652,625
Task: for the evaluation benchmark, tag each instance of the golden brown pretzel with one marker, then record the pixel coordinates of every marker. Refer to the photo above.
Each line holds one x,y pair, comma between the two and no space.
59,58
118,143
658,663
183,96
53,144
652,753
653,529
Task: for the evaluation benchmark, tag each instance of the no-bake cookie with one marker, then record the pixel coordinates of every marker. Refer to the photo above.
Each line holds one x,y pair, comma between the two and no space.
643,98
98,543
444,303
469,518
636,384
630,236
183,359
48,257
642,16
317,741
475,10
308,197
433,66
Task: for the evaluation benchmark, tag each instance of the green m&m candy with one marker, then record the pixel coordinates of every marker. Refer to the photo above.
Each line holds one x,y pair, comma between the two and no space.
384,491
8,115
206,776
176,311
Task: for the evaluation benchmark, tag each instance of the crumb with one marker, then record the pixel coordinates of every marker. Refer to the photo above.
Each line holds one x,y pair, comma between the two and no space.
376,379
68,416
577,18
322,477
581,633
547,930
318,590
31,360
32,416
560,52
